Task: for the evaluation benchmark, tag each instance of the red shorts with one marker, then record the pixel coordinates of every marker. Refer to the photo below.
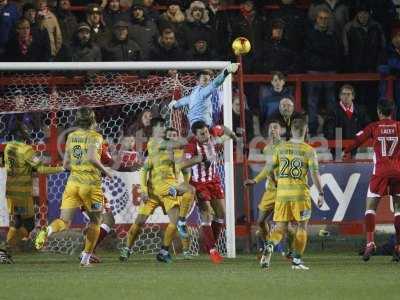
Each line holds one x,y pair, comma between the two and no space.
385,182
208,191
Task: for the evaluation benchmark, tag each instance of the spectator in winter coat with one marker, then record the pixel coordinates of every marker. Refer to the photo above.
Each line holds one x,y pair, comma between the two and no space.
121,47
173,18
113,13
390,65
82,48
48,21
166,48
149,10
276,55
100,34
250,24
219,22
142,29
9,15
201,51
363,42
322,55
294,19
340,14
26,45
67,21
271,95
196,25
347,116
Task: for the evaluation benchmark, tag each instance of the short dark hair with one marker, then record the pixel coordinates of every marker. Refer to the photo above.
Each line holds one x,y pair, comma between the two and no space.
385,107
156,121
171,129
299,122
20,132
348,87
269,122
167,30
204,72
85,117
279,74
198,125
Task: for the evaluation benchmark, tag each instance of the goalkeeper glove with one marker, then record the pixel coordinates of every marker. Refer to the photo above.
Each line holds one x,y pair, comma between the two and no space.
172,104
232,68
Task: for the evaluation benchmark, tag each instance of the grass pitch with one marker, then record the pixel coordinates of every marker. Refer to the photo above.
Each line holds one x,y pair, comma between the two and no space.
332,276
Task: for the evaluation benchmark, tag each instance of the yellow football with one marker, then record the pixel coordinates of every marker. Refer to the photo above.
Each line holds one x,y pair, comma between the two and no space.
241,46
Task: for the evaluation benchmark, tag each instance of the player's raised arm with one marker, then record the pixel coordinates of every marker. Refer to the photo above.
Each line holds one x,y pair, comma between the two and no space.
219,80
179,103
361,137
33,159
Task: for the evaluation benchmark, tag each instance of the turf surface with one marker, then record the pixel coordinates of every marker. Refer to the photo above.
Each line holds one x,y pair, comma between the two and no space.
332,276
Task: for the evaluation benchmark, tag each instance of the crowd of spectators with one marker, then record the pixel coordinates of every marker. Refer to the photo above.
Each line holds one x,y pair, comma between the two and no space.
315,37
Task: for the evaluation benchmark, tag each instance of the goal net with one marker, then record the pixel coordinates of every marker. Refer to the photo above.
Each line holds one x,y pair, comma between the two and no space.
45,96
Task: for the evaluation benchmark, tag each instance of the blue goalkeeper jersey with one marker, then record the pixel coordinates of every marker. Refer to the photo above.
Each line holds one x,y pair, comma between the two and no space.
200,101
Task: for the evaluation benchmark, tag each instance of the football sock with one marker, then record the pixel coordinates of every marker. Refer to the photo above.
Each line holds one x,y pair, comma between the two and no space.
300,241
22,233
12,236
208,236
56,226
92,235
217,226
169,234
370,225
187,199
264,234
290,239
276,235
104,231
397,227
133,234
185,244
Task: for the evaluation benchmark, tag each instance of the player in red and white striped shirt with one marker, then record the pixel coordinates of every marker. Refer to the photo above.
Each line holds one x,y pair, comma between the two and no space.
202,152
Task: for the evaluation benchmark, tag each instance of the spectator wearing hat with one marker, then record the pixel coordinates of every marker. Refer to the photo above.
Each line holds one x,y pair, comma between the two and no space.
294,19
276,55
142,28
196,25
67,20
250,24
121,47
173,18
82,47
166,48
47,20
29,12
9,16
26,45
113,13
201,51
100,34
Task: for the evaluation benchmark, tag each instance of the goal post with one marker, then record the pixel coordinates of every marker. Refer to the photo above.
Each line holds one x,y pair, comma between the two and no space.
101,93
